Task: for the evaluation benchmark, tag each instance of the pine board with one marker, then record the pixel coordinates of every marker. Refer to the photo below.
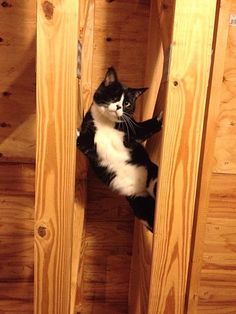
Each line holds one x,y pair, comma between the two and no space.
225,146
57,34
184,114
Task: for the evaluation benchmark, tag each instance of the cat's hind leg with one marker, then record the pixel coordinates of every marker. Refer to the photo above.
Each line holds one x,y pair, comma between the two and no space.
144,209
151,185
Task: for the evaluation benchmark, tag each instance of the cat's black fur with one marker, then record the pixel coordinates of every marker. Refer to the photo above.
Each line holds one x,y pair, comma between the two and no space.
110,138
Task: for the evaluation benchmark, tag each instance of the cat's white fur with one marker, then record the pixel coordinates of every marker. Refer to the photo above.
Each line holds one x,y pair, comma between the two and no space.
130,179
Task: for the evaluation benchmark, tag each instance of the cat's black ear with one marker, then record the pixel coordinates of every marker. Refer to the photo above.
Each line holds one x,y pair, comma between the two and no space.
136,92
110,77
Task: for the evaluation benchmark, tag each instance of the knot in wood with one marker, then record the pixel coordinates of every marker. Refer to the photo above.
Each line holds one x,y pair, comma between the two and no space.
48,9
6,94
42,231
5,4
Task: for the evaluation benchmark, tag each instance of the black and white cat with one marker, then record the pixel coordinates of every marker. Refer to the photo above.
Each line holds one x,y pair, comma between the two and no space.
110,138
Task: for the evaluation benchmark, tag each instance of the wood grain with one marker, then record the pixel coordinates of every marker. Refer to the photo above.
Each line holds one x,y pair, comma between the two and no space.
217,284
159,39
57,33
87,40
107,250
16,178
204,183
16,250
185,108
86,37
17,80
16,298
225,147
121,31
17,243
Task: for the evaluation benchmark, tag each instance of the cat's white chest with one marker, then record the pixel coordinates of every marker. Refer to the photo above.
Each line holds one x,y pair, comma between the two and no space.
110,147
129,179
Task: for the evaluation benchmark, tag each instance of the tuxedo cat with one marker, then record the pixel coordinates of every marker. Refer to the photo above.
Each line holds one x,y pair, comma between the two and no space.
111,139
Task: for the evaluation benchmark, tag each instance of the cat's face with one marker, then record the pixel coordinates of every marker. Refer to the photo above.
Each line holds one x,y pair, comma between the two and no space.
115,100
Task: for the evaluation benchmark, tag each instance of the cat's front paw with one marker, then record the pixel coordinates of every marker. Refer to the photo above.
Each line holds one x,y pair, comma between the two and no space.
77,132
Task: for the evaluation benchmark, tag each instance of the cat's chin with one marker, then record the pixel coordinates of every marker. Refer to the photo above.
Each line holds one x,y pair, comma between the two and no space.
109,115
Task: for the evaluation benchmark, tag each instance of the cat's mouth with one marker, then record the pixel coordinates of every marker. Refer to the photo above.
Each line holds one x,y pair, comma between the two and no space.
115,113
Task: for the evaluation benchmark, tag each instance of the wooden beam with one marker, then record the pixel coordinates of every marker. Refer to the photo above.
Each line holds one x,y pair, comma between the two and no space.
57,33
86,37
185,107
208,152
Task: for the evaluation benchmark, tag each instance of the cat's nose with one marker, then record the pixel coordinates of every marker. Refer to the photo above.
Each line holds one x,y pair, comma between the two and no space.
118,107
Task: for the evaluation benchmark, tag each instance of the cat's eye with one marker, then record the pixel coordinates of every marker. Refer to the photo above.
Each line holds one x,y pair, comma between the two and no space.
127,104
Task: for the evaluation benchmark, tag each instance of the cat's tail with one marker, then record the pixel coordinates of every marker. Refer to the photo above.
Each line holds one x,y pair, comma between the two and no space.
144,209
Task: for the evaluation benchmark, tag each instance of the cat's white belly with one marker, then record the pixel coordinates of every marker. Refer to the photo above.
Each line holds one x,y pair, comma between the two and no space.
130,179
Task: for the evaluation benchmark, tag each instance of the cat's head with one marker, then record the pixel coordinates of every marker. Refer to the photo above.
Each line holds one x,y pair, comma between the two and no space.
115,100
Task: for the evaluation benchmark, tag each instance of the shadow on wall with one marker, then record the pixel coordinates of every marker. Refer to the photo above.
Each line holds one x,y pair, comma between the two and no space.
17,80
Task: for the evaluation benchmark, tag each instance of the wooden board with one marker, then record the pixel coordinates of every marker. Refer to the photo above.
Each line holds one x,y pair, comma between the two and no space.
17,244
121,30
204,182
107,251
185,108
225,148
217,291
16,251
17,80
16,297
17,179
57,33
117,24
160,33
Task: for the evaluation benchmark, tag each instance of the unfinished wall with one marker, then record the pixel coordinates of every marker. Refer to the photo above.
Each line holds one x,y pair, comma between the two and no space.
217,290
17,242
17,144
120,40
121,31
17,80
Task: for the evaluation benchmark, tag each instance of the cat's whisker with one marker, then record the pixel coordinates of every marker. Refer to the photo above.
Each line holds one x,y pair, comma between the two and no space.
127,127
129,120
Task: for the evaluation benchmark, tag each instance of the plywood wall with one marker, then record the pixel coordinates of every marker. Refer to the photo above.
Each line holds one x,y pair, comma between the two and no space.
120,39
225,147
17,80
16,232
121,30
212,280
217,290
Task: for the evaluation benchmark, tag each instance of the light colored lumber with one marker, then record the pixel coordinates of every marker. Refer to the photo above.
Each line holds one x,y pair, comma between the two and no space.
57,33
185,107
225,146
117,24
208,152
217,277
86,38
159,39
140,269
78,231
